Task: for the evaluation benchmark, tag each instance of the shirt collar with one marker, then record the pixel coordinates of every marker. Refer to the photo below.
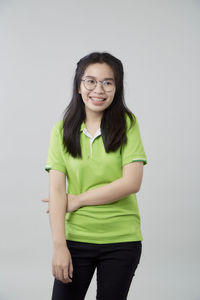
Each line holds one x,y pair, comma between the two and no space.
84,126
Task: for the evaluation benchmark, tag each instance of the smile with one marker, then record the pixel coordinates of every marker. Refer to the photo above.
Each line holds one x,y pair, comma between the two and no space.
97,99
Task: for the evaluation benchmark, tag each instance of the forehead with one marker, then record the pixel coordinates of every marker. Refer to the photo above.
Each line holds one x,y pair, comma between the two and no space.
99,71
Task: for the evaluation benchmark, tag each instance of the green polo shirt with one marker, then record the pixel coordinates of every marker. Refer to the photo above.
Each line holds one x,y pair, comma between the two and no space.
108,223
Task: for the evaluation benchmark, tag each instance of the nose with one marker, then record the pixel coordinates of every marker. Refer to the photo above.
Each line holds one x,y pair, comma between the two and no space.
99,87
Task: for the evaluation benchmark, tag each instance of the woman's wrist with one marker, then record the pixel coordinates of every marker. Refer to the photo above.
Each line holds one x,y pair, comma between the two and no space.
59,245
80,200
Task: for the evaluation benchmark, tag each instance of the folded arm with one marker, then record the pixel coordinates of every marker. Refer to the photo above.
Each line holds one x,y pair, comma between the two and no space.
128,184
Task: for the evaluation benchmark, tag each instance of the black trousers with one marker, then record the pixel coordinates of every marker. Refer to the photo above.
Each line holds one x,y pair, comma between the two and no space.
116,264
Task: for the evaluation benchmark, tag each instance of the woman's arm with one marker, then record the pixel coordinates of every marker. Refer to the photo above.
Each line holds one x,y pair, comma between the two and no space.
62,267
57,207
129,184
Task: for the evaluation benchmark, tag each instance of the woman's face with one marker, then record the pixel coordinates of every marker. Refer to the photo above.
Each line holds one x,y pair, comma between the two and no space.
98,71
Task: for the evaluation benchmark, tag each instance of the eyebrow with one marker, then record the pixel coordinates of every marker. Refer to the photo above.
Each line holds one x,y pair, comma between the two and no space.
107,78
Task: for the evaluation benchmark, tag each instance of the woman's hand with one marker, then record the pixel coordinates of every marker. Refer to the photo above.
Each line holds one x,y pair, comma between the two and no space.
62,267
46,200
73,202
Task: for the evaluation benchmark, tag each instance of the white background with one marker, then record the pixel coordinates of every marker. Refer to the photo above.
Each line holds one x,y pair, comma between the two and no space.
158,44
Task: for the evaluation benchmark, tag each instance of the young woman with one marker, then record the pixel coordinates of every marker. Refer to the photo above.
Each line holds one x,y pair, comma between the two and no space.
98,147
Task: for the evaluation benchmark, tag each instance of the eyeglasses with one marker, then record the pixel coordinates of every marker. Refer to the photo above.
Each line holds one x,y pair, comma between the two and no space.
91,83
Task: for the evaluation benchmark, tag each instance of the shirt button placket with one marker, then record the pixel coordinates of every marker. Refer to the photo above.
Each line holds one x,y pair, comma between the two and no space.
91,147
91,139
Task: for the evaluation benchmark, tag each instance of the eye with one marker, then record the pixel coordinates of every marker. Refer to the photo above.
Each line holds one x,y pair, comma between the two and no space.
107,82
90,80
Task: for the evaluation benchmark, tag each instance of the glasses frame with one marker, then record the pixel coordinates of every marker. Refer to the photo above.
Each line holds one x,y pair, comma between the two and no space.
102,83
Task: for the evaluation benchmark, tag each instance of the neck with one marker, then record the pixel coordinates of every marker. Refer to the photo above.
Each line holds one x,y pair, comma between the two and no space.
93,118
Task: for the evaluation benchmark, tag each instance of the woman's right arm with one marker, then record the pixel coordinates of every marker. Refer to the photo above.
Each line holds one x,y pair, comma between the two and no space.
62,266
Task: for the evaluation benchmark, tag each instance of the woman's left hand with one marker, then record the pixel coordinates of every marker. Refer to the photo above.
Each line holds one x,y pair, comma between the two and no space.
73,202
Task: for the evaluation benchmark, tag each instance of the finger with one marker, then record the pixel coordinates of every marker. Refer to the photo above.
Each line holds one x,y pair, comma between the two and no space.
53,271
71,269
66,277
65,274
66,280
45,200
59,274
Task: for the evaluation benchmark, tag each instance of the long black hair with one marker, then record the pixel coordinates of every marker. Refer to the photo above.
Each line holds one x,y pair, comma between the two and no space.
113,123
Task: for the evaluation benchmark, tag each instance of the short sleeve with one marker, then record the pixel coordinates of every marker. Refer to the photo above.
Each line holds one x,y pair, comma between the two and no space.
133,150
55,160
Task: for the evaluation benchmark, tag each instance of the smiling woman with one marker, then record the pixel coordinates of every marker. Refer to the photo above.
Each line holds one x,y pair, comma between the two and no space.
100,95
97,146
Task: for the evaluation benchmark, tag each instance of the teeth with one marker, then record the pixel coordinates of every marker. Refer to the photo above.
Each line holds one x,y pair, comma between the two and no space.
96,99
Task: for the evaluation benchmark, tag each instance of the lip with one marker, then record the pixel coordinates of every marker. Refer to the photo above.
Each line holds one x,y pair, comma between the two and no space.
97,97
97,103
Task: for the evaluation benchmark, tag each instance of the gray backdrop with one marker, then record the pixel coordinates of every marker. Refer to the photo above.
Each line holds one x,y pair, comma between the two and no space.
158,44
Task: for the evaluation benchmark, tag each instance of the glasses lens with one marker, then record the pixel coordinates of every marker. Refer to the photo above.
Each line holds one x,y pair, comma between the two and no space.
108,85
90,84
